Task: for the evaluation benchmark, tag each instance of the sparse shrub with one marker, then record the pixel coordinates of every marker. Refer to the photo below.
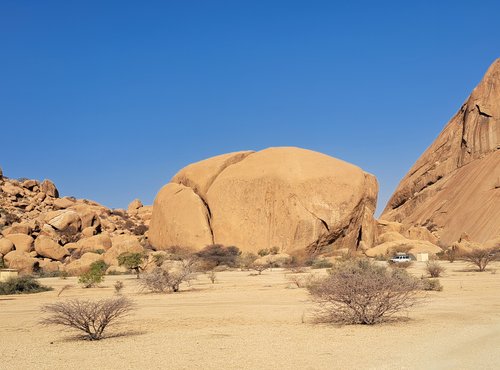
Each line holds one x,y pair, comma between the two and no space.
449,253
22,285
274,250
246,260
168,278
434,268
361,292
431,284
212,276
178,253
263,252
159,259
260,267
140,230
322,263
94,276
91,317
133,261
401,265
118,286
481,257
217,254
301,280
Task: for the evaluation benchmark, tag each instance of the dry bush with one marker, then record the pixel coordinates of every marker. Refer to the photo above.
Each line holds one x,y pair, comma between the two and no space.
168,278
401,265
481,257
431,284
91,317
302,280
362,292
260,267
212,276
118,286
218,254
434,269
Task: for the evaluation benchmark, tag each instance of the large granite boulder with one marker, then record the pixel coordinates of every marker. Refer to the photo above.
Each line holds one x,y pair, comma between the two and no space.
289,198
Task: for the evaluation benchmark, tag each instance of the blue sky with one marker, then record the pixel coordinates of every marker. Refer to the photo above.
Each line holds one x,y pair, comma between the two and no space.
109,99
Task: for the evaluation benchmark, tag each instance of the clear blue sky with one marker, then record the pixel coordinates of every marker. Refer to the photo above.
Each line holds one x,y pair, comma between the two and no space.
110,98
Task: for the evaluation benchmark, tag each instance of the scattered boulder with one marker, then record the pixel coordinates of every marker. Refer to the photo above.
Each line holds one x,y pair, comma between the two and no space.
49,188
22,242
62,220
22,228
134,205
47,265
62,203
82,265
122,244
20,261
46,247
6,246
101,242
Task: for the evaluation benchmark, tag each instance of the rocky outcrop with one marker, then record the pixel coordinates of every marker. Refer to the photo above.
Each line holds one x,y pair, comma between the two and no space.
44,232
288,198
454,187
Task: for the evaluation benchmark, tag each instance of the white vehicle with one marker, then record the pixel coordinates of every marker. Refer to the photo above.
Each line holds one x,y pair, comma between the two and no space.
400,258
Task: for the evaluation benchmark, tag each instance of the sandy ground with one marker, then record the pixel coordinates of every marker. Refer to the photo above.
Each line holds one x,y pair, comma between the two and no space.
260,322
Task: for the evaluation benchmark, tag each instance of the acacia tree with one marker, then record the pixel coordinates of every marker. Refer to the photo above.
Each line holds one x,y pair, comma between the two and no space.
361,292
91,317
133,261
481,257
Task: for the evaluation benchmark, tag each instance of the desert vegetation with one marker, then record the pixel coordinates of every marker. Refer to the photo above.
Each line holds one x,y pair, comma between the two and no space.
94,276
481,257
362,292
90,317
22,285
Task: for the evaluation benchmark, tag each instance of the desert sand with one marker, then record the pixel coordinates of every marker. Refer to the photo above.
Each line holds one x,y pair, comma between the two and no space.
260,322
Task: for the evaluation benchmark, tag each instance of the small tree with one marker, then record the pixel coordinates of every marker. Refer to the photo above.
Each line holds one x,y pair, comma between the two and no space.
217,255
94,276
118,286
133,261
260,267
481,257
434,268
212,276
91,317
361,292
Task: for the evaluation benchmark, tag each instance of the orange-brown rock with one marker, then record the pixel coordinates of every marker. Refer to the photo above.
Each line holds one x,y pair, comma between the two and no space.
122,244
6,246
20,261
454,186
82,265
22,242
289,198
46,247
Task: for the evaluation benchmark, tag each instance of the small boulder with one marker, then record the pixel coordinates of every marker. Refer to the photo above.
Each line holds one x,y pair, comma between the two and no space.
63,203
95,243
46,247
47,265
20,261
21,228
6,246
22,242
82,265
134,205
62,220
49,188
122,244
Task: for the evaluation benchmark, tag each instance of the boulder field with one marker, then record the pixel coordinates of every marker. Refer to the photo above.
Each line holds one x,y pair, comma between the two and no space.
45,233
283,197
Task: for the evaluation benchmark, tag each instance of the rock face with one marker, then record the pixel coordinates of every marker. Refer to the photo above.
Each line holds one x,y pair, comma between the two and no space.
288,198
454,187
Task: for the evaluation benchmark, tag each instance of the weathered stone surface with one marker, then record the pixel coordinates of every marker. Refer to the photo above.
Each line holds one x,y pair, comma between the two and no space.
101,242
48,248
6,246
22,242
82,265
47,265
455,185
62,220
49,188
20,261
134,205
62,203
22,228
12,189
289,198
122,244
180,218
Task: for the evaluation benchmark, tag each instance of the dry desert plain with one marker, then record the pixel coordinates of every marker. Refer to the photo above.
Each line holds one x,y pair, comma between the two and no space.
260,322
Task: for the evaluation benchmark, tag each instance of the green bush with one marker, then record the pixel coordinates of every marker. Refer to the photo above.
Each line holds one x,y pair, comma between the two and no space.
22,285
94,276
